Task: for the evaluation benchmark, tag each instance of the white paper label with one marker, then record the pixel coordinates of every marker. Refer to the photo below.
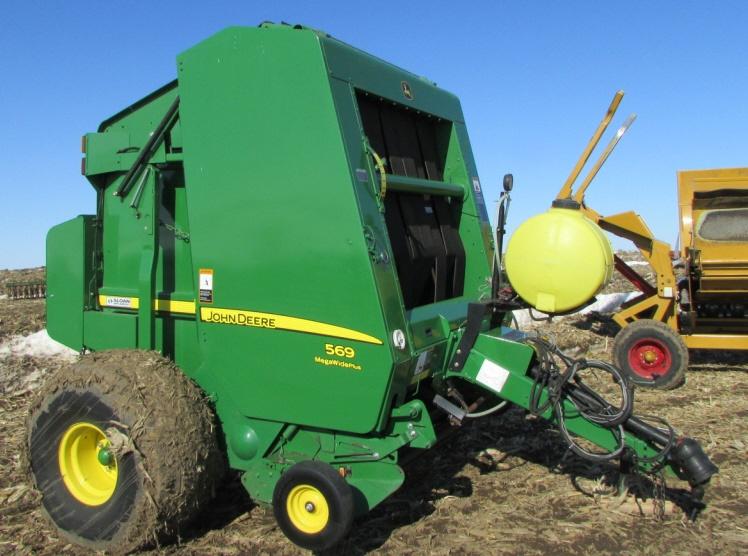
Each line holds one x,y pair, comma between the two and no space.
492,375
116,301
205,292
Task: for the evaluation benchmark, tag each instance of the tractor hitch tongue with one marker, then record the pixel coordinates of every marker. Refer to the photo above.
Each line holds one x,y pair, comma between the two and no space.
552,386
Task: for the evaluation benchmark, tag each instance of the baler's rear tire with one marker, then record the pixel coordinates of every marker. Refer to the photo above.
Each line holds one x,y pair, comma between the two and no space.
651,354
123,449
313,505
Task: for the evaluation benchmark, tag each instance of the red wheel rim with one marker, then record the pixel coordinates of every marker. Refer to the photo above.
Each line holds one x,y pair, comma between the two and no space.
650,358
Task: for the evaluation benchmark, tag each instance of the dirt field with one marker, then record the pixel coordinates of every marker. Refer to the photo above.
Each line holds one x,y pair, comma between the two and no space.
501,485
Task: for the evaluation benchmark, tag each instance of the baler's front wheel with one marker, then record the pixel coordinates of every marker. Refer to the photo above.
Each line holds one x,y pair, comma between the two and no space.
651,354
313,505
122,447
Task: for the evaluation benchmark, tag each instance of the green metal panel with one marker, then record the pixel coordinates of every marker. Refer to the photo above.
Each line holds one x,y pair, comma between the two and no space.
273,215
372,483
108,152
70,247
109,330
369,73
282,219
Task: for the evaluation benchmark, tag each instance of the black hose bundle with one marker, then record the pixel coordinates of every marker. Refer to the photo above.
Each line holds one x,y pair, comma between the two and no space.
558,375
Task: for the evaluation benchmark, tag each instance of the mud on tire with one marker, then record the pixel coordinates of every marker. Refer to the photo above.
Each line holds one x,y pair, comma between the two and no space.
134,416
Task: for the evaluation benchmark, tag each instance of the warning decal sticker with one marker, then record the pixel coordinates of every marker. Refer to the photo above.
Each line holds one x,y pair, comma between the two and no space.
206,285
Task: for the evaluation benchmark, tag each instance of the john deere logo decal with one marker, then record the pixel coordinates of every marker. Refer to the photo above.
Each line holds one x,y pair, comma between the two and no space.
407,93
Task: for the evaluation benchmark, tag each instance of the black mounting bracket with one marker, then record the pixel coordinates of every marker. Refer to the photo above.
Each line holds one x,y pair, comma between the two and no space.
475,316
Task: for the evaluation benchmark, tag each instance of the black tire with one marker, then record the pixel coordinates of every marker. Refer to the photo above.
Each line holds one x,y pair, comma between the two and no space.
159,430
336,495
644,339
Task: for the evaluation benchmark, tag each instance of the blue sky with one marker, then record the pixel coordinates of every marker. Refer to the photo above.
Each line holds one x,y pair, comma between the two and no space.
534,79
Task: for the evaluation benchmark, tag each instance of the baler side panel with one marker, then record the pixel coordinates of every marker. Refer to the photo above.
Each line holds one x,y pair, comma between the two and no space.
70,246
273,215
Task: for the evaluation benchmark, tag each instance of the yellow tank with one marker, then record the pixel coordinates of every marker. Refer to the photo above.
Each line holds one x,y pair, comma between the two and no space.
559,260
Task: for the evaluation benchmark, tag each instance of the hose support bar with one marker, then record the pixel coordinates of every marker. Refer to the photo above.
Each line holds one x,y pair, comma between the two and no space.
407,184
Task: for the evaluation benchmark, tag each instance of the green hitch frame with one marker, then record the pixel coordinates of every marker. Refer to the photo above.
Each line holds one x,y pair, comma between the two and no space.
504,367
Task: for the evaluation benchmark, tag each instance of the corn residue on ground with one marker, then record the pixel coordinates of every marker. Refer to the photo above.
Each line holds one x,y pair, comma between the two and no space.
501,485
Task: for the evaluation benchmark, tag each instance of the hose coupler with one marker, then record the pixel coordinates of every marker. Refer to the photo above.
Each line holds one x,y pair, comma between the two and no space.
696,466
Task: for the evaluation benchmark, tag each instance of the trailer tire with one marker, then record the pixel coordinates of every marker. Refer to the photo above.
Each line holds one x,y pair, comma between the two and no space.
313,505
123,449
651,354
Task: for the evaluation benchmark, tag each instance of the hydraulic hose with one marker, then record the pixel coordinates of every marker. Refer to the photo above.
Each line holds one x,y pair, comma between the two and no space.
685,455
566,384
499,406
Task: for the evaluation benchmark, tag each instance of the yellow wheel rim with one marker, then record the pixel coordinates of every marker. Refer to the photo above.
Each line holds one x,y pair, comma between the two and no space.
88,468
307,509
